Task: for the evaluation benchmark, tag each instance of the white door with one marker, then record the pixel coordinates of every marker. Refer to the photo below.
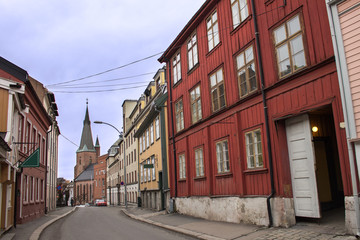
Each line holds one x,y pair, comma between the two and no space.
302,166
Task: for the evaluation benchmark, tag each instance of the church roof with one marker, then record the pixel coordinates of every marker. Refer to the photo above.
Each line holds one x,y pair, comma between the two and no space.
87,174
86,143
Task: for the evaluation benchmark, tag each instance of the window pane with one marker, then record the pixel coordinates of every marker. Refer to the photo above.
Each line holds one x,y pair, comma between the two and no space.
249,55
222,95
252,77
293,25
216,35
240,61
280,34
283,52
235,14
195,55
243,10
285,68
242,77
213,80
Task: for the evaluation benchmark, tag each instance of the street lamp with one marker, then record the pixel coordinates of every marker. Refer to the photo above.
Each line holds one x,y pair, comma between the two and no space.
120,134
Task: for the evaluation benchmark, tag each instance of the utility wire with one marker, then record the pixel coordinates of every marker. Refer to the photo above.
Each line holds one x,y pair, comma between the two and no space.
110,70
110,80
100,86
151,56
69,140
97,91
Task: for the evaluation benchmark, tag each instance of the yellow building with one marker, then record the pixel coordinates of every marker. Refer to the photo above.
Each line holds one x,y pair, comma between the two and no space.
151,133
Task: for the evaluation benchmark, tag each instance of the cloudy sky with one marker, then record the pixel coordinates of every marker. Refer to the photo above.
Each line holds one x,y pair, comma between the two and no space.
61,41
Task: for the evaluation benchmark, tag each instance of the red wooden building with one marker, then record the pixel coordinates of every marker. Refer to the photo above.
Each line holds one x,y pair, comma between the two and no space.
256,118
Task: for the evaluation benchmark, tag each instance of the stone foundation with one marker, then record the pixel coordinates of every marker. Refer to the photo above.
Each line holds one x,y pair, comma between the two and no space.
251,210
350,216
152,199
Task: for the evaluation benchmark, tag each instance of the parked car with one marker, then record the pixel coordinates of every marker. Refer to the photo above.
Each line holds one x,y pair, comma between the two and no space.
100,202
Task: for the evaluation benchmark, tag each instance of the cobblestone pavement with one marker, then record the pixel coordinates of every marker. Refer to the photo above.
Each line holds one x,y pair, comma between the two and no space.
297,234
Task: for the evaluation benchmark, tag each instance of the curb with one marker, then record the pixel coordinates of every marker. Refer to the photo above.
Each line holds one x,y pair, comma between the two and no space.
197,235
36,234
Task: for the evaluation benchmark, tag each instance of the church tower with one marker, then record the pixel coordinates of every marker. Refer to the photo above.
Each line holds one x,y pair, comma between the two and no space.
86,154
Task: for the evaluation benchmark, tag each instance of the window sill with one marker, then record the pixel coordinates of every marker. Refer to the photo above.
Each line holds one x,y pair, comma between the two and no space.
224,175
214,49
177,83
256,171
241,25
202,178
193,68
182,180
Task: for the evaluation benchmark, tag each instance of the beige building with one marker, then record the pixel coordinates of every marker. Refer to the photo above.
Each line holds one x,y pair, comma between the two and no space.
113,174
344,20
129,164
151,131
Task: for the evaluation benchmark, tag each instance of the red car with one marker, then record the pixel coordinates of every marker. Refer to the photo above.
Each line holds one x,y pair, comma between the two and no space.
100,202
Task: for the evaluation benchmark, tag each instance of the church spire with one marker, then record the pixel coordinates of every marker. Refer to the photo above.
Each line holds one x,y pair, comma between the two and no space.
86,143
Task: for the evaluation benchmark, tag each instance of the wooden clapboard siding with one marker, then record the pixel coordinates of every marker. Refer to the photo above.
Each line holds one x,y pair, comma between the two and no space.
4,102
350,28
315,86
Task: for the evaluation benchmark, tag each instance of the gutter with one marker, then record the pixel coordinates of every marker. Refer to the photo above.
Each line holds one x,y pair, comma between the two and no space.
172,128
266,116
46,165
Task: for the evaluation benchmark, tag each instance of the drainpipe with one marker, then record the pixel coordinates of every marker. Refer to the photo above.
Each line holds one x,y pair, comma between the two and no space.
46,161
347,105
172,129
266,116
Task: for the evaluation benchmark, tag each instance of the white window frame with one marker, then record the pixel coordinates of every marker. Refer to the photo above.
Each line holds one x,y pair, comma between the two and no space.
254,151
176,64
212,27
195,104
192,49
216,83
239,11
151,133
199,162
179,115
182,167
222,156
157,127
153,169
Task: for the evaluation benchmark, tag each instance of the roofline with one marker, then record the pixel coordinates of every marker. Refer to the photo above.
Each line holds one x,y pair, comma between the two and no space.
169,51
14,70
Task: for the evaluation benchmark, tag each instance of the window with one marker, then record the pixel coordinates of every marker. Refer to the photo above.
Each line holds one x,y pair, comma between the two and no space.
153,169
212,31
25,187
254,149
157,127
199,162
222,156
179,115
145,170
289,47
20,132
192,51
149,177
140,143
195,102
246,72
147,138
239,11
177,68
151,133
217,90
143,139
182,166
42,190
31,189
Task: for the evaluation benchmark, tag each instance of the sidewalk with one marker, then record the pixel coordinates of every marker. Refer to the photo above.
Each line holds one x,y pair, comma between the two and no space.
204,229
32,229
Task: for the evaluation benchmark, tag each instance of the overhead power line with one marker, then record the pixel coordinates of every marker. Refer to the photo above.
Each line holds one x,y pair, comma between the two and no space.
109,70
69,140
105,90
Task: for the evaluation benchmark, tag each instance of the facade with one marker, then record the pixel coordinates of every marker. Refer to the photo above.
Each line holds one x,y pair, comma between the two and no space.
87,157
253,114
12,109
344,21
113,174
151,122
100,175
48,100
70,189
130,145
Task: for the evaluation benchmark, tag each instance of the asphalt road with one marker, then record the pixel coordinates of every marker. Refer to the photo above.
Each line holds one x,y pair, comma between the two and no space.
104,223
